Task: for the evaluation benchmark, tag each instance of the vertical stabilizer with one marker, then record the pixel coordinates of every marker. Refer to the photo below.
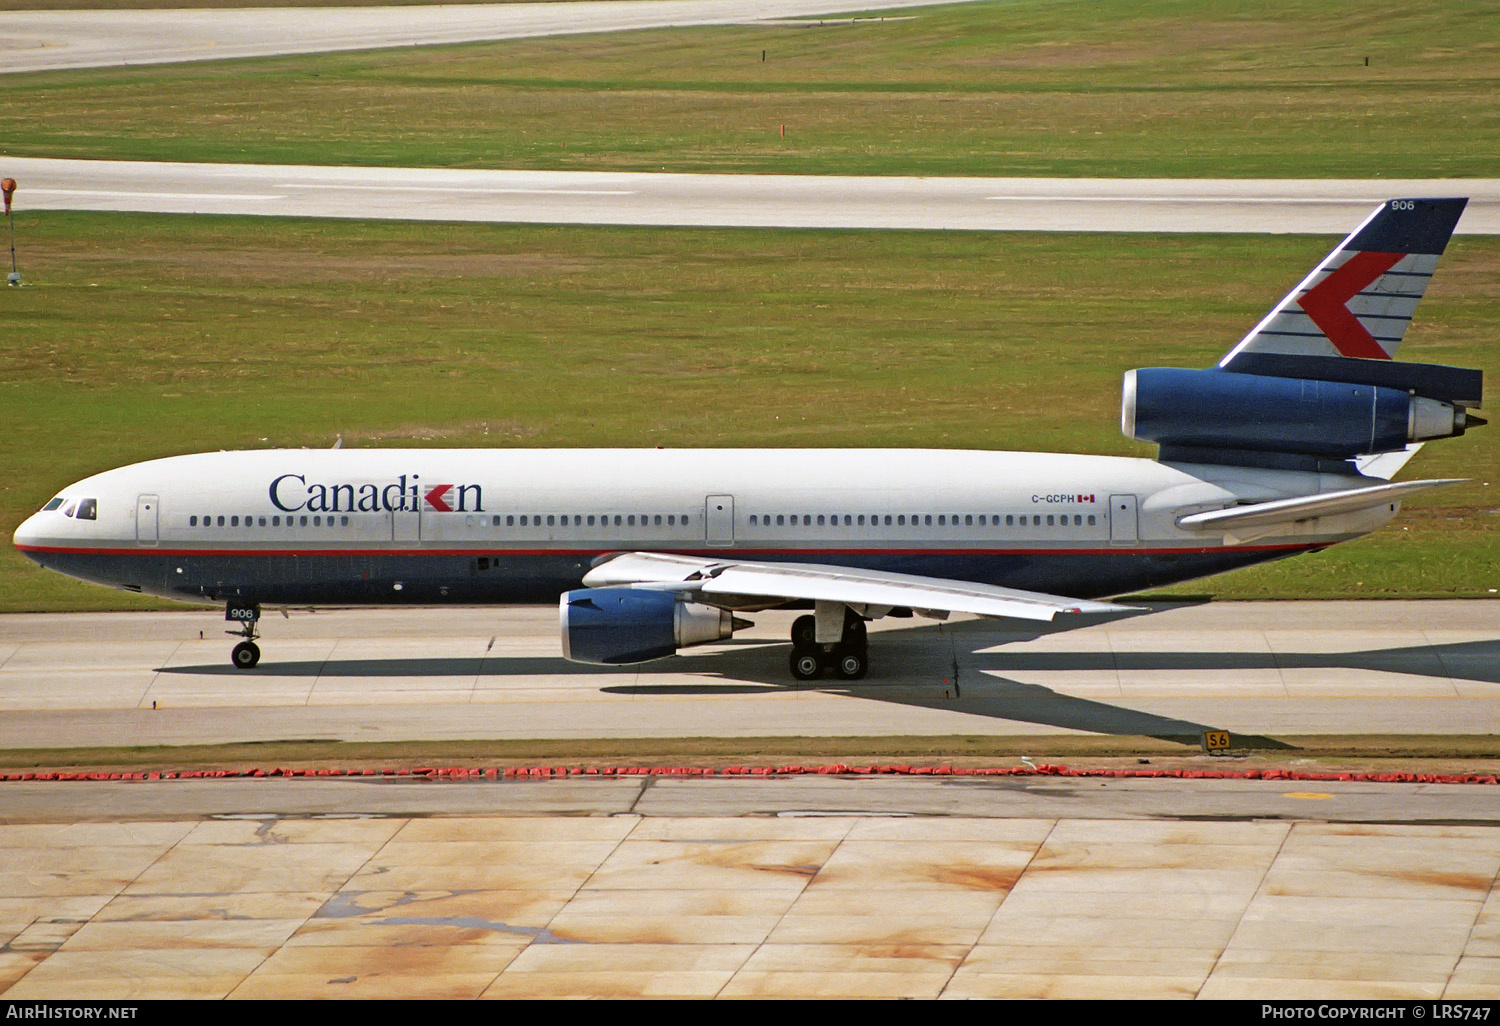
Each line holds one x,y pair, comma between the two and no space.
1359,300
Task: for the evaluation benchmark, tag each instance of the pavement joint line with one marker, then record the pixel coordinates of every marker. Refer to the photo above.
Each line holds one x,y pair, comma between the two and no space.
156,675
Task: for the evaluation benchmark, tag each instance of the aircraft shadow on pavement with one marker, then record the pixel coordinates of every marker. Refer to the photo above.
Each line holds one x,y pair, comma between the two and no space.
967,667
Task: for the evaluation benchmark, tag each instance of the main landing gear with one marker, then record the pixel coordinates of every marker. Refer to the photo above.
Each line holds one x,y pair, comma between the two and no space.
247,653
849,657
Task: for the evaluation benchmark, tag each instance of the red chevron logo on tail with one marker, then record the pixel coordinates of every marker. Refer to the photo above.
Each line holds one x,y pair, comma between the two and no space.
1328,304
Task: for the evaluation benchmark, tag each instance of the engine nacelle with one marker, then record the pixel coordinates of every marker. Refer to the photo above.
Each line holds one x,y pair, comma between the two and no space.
1214,409
625,625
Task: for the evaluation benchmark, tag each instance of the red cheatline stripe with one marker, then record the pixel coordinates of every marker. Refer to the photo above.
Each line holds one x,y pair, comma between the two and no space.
463,773
724,553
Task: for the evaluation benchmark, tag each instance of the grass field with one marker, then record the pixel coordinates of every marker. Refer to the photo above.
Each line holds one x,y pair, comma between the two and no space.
1284,88
146,335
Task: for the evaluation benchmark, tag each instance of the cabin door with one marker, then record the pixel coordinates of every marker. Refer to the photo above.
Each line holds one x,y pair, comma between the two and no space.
406,525
718,519
1124,526
147,513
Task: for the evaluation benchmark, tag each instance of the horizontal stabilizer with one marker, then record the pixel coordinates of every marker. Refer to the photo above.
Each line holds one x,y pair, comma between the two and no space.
1386,465
1304,507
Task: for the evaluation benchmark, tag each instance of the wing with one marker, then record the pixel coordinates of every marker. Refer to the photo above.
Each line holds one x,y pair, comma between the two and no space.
733,584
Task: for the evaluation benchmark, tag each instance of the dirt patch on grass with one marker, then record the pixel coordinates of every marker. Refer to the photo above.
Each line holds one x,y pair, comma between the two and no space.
500,430
282,265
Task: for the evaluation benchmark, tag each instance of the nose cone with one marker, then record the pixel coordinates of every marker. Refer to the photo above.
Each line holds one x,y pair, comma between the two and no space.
28,536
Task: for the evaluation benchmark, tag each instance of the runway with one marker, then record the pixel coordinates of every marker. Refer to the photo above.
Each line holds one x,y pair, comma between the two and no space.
1255,669
763,201
56,40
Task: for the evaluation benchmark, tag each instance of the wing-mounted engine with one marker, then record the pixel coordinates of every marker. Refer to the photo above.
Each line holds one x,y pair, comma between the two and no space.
628,625
1295,410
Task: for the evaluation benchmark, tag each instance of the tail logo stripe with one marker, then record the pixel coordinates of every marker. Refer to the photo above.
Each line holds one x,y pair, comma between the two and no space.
1327,303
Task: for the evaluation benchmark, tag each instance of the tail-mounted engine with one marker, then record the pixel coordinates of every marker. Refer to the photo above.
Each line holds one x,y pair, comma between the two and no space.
626,625
1311,407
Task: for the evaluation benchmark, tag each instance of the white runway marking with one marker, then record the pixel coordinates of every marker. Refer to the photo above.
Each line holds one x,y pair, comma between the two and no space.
127,196
459,189
1207,200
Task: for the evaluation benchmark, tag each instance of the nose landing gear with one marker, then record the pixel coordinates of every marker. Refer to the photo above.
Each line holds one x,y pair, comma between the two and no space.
247,653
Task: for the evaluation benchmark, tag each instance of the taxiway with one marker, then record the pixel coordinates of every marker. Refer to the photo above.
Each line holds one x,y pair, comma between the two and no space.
1255,669
763,201
55,40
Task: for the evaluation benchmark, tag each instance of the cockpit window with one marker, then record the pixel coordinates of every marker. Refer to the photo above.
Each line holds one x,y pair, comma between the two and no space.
70,509
88,509
54,504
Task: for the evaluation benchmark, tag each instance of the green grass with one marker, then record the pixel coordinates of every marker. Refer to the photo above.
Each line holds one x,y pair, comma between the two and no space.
1194,88
146,335
1317,753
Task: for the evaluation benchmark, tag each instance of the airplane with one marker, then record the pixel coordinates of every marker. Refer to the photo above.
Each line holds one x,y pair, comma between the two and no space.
1287,445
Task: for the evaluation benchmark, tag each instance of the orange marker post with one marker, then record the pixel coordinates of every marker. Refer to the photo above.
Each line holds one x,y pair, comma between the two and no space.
8,189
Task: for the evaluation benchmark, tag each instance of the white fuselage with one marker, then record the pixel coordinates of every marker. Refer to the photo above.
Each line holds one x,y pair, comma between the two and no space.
409,525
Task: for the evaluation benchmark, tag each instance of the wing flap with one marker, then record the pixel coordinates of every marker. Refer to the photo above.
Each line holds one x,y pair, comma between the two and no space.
722,579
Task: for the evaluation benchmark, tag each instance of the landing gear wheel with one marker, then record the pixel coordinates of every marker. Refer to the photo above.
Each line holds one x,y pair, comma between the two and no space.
855,632
245,655
852,663
804,632
807,663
